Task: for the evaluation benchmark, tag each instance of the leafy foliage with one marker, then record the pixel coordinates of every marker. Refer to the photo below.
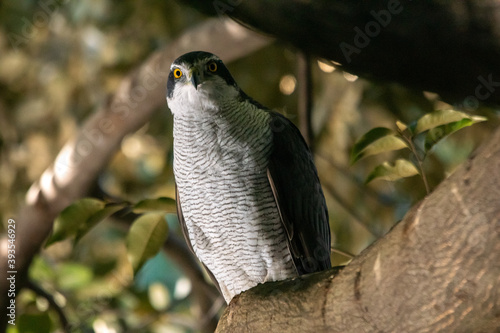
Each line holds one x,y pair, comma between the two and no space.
441,117
401,169
81,216
143,241
436,134
376,141
437,124
145,238
162,204
75,218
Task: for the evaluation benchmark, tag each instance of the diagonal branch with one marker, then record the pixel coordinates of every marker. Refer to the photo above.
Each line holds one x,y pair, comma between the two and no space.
52,302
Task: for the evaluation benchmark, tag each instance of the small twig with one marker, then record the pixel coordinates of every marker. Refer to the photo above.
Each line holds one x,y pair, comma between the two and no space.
212,313
343,253
304,98
360,184
205,294
419,160
53,304
351,210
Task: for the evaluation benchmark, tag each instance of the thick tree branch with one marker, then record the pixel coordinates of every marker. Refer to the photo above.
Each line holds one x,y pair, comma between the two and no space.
82,159
449,47
438,270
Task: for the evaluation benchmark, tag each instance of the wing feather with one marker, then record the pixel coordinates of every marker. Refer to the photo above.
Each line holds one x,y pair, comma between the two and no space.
295,184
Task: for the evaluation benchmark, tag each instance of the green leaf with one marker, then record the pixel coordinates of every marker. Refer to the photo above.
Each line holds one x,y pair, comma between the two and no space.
145,238
33,322
441,117
97,217
72,276
438,133
376,141
72,217
401,126
401,169
161,204
404,130
41,270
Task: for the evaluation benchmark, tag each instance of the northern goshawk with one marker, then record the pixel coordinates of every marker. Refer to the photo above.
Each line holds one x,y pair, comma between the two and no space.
249,199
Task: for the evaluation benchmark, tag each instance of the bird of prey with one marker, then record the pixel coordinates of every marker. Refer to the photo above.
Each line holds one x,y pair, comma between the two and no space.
248,195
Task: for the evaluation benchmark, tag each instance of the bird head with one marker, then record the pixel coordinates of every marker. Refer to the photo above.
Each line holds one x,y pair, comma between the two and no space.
199,83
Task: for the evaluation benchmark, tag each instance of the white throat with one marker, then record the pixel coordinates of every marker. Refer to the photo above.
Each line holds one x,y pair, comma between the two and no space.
207,100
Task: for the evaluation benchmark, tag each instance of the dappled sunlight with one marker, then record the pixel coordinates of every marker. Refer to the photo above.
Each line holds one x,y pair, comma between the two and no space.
288,84
326,67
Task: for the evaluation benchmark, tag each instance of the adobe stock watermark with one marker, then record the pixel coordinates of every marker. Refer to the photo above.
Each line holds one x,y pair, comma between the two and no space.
222,7
40,20
486,87
373,28
11,271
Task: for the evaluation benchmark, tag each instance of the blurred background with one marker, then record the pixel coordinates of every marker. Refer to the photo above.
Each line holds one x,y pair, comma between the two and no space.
60,62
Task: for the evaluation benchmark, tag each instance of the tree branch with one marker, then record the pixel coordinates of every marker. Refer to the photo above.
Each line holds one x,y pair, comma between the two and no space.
82,158
449,47
52,302
438,270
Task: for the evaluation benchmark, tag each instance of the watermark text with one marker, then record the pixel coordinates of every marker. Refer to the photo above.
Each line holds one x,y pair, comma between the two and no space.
11,271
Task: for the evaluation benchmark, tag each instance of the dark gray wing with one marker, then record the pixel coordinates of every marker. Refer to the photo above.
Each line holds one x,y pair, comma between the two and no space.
299,197
185,233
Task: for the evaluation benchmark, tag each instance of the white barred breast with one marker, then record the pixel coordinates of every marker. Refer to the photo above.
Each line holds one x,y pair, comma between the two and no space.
220,167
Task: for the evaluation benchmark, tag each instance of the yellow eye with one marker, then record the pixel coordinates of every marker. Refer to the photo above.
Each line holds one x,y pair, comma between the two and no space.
212,66
177,73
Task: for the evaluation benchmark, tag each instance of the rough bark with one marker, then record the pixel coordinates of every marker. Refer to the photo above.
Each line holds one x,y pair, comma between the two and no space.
445,46
82,159
438,270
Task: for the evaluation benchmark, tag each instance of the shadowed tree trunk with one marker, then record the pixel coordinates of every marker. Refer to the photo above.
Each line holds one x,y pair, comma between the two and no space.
449,47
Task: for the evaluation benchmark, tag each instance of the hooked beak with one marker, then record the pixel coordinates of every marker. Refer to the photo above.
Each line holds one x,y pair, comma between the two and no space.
195,78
